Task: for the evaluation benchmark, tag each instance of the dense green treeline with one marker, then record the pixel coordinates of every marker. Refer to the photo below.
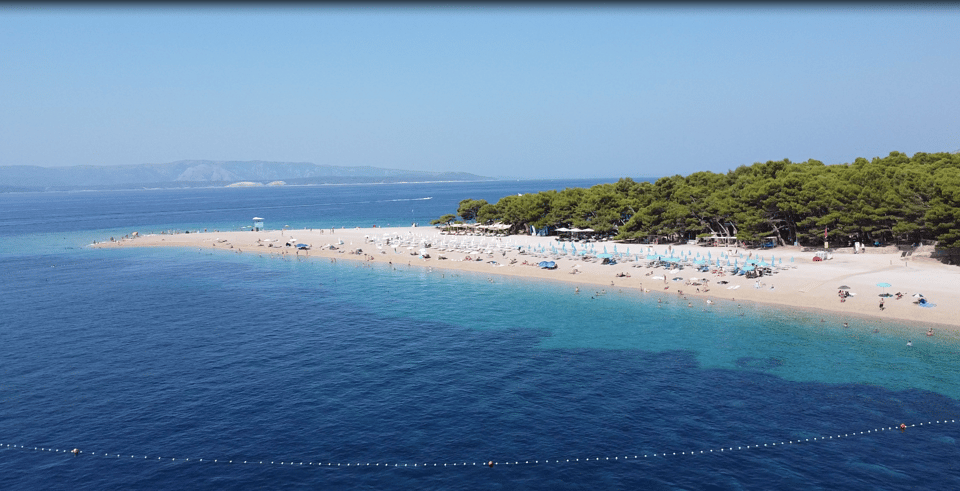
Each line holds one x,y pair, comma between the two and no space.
895,199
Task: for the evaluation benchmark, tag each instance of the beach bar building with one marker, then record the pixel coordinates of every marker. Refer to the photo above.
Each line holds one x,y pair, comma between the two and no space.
257,224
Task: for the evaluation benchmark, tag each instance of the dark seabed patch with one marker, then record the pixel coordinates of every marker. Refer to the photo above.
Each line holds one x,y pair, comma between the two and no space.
768,363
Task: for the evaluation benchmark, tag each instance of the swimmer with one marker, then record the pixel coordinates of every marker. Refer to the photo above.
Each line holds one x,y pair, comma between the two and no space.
930,332
577,290
846,325
909,343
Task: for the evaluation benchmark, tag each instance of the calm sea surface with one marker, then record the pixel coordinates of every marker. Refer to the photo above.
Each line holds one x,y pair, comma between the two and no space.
142,356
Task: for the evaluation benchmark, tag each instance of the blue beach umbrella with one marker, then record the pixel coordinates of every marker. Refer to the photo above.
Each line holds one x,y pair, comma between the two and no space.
884,286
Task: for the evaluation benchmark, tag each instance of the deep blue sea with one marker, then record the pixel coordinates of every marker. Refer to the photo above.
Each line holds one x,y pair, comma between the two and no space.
360,376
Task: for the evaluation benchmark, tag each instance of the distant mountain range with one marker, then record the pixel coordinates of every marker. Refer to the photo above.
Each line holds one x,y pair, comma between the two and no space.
202,173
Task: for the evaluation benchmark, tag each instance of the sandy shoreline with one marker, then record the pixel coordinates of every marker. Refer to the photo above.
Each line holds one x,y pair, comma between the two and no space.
803,283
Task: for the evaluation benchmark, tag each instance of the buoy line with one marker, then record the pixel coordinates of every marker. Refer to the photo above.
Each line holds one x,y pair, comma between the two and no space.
77,452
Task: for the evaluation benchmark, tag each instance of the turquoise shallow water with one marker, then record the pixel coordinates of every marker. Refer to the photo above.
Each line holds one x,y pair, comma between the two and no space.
792,344
185,354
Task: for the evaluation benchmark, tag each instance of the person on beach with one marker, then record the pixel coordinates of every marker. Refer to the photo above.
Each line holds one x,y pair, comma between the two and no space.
881,304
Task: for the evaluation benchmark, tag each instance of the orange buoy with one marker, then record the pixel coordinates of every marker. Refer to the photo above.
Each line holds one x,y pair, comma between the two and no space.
75,451
490,464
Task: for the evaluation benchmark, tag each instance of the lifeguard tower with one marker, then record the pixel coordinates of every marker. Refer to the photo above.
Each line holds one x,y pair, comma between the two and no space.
257,224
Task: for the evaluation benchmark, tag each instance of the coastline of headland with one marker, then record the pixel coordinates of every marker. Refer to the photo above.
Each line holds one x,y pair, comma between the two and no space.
799,283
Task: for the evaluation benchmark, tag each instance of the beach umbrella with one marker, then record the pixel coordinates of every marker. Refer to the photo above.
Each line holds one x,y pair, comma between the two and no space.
884,286
709,256
791,259
604,249
615,249
843,287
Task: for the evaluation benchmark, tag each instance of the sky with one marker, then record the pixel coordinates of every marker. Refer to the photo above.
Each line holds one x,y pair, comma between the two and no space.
533,91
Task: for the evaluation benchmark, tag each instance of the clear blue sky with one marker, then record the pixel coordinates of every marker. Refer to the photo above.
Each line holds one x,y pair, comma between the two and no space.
534,91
